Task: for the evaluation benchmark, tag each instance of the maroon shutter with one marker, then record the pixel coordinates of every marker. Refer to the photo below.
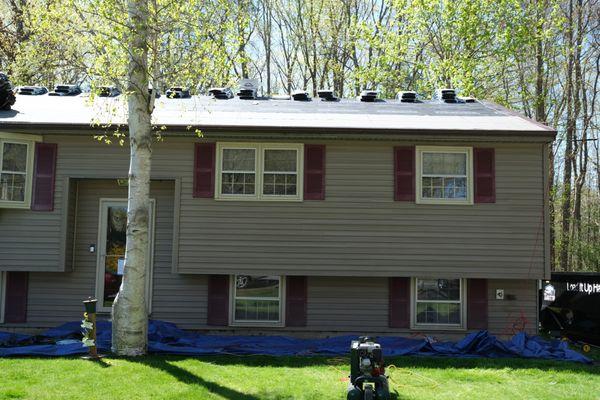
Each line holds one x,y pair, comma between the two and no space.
477,304
485,175
314,172
295,301
399,302
43,177
404,173
204,170
15,307
218,300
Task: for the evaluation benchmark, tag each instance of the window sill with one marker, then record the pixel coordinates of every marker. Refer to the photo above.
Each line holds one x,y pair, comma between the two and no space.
445,202
425,327
258,199
19,206
257,325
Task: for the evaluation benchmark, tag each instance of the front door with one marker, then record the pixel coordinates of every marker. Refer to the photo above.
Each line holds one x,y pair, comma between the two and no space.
112,234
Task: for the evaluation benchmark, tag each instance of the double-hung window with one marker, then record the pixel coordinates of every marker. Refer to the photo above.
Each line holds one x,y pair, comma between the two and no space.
438,303
259,171
444,175
16,170
257,300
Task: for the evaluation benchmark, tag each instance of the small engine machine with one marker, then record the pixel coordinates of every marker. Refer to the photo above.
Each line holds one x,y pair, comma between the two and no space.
367,371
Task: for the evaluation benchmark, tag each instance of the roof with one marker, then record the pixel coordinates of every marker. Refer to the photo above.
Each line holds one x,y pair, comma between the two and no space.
205,112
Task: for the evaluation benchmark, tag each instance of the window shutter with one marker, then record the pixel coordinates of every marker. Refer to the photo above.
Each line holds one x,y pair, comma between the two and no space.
15,307
314,172
295,301
399,302
218,300
404,173
477,304
204,170
485,175
43,177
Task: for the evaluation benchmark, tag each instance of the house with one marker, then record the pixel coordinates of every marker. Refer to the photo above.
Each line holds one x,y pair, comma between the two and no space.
301,217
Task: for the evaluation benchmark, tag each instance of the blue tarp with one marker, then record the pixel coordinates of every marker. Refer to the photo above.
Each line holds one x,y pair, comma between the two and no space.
166,338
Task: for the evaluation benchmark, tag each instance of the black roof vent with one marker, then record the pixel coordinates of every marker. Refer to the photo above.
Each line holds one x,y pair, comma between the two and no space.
222,93
178,92
369,96
31,90
407,97
108,91
327,95
65,90
300,95
446,96
248,89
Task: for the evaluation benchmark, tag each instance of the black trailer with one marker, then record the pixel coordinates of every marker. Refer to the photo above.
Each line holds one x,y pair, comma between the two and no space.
570,306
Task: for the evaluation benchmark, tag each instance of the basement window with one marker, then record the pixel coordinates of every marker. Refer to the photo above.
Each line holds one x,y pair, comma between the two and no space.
257,300
259,171
438,303
16,171
444,175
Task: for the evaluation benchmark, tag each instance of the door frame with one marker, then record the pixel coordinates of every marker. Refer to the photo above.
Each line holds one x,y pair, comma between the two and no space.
104,203
2,295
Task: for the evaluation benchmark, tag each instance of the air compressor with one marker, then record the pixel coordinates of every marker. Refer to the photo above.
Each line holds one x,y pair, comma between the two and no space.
367,371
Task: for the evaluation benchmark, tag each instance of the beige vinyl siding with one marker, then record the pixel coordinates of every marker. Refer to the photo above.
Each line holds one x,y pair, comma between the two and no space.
518,310
56,297
357,228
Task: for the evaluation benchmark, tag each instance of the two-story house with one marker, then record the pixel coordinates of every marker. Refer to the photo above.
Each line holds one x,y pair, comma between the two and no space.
285,216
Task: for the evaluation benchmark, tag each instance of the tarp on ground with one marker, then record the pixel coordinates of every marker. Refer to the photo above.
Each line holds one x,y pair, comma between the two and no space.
167,338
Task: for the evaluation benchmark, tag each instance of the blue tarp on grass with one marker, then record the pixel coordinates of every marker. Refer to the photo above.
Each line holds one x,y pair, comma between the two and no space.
166,338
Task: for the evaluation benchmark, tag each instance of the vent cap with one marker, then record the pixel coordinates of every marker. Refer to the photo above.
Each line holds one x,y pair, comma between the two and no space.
407,97
32,90
221,93
369,96
300,95
248,89
108,91
178,92
446,96
65,90
327,95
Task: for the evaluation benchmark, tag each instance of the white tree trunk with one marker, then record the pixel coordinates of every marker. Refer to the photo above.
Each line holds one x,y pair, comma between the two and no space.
129,312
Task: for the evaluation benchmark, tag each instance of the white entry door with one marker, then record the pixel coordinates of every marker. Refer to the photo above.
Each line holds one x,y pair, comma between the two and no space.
112,238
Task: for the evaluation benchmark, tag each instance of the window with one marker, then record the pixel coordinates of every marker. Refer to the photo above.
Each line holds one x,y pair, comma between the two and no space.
259,171
444,175
438,302
257,300
16,170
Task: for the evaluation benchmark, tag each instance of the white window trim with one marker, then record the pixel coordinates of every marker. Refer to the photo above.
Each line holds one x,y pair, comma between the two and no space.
419,175
28,140
100,249
258,170
442,327
273,324
2,295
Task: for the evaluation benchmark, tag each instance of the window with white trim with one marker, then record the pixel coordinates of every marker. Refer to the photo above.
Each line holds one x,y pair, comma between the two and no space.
444,175
16,171
438,302
259,171
257,300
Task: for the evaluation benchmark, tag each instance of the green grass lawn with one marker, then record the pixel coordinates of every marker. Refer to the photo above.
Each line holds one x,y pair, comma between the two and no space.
257,377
